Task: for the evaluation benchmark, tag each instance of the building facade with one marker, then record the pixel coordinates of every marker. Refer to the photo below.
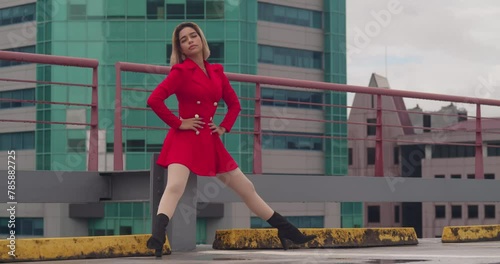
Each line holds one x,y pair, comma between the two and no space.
422,160
292,39
446,161
362,151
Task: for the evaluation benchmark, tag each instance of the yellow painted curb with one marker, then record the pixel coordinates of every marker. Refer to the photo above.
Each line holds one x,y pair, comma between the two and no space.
61,248
477,233
267,238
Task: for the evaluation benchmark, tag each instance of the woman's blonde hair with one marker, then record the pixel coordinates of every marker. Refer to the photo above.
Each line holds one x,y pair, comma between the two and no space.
177,56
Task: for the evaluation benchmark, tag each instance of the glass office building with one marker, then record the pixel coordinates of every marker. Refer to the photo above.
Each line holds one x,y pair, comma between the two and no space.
246,36
140,32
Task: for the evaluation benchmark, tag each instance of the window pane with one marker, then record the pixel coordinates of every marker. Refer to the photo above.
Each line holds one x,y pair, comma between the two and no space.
266,54
280,95
195,9
216,52
26,227
175,11
289,15
76,145
279,142
17,140
77,11
18,95
115,9
303,18
136,145
396,214
370,156
28,94
155,9
292,142
125,209
472,211
136,9
290,57
374,214
317,23
489,211
279,14
305,97
293,97
29,140
215,9
267,142
292,14
267,94
17,14
6,16
169,52
318,99
440,211
317,143
489,176
371,129
305,143
456,211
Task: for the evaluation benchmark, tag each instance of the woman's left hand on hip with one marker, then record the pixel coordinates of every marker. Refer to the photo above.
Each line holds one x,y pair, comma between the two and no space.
217,129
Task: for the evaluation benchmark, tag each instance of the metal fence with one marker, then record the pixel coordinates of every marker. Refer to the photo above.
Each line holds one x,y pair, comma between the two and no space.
62,61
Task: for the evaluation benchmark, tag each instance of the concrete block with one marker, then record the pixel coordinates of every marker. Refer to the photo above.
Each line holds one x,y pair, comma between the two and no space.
267,238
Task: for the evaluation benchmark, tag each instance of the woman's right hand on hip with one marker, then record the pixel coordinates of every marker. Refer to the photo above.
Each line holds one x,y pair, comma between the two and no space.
192,124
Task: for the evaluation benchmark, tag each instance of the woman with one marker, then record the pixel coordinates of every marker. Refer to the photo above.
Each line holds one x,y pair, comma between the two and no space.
198,87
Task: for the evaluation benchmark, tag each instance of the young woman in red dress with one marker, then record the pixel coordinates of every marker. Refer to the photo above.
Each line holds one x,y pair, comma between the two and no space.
193,143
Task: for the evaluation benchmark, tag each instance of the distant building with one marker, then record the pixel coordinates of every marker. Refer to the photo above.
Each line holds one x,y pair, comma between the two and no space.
427,160
456,162
446,116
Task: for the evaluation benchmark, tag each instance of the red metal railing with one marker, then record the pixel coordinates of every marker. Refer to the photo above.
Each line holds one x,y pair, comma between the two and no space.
93,160
284,82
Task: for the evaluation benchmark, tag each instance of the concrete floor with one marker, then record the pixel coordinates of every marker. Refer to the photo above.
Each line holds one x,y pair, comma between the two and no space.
428,251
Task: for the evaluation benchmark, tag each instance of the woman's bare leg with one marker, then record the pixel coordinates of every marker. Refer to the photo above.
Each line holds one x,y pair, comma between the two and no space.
239,183
177,179
178,176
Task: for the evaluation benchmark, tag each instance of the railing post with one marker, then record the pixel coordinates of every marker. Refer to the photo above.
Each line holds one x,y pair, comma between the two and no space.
117,143
93,158
479,145
379,151
257,136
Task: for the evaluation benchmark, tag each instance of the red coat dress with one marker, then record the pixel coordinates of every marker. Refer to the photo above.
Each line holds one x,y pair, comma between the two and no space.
204,153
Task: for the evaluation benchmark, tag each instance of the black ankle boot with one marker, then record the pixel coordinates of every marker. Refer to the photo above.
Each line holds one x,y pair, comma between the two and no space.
157,239
287,231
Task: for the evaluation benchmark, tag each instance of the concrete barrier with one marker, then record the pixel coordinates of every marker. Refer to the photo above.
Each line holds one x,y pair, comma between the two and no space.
477,233
62,248
267,238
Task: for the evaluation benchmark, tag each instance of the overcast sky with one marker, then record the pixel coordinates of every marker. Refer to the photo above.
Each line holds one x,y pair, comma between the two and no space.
444,46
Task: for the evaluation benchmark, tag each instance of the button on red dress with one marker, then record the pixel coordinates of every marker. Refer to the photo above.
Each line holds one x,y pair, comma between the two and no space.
198,95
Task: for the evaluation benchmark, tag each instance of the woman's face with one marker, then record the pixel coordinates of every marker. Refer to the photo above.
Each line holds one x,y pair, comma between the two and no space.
190,42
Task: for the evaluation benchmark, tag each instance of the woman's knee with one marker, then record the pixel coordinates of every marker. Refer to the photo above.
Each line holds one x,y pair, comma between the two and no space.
246,187
175,189
238,181
177,178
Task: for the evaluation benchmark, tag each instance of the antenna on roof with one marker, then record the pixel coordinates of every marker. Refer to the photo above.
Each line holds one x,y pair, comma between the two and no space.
386,76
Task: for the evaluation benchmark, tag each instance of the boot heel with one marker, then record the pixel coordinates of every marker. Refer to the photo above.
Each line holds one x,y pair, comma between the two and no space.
153,243
158,239
284,242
